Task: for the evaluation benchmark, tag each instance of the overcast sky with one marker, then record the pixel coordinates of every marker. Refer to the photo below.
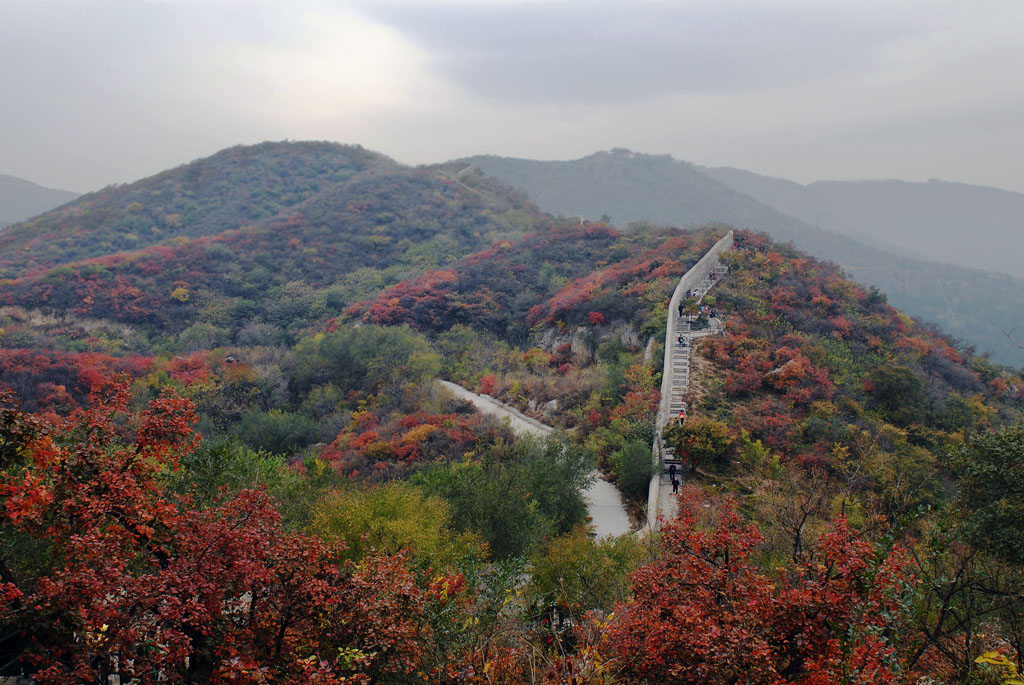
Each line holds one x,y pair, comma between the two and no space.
107,91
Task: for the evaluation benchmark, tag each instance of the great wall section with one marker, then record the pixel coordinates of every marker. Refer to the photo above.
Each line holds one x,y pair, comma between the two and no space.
604,502
675,379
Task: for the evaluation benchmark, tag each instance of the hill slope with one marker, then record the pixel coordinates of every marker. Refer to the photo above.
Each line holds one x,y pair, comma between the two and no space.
230,189
824,399
278,275
636,187
21,199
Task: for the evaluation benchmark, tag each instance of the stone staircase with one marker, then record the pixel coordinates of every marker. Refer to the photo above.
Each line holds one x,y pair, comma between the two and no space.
675,381
679,383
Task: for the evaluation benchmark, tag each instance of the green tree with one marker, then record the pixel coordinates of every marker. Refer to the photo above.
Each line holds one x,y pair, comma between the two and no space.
374,359
576,574
276,431
699,441
393,517
634,466
991,497
514,495
897,392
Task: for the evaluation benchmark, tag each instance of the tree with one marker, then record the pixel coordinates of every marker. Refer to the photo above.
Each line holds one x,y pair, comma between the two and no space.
575,574
897,391
391,518
703,612
633,465
965,602
699,441
514,495
991,497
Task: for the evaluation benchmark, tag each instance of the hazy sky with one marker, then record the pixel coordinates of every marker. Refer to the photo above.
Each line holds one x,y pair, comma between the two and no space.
106,91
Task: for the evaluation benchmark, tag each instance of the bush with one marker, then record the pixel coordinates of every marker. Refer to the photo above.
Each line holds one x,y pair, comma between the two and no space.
277,431
634,466
515,496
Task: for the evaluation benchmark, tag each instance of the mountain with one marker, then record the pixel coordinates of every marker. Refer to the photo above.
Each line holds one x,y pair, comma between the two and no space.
229,190
981,308
268,239
627,187
21,199
967,225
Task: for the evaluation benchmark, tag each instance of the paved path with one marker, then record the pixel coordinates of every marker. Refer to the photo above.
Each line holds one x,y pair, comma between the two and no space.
604,503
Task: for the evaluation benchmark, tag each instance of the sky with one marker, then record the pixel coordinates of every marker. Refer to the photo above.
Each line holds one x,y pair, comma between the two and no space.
108,91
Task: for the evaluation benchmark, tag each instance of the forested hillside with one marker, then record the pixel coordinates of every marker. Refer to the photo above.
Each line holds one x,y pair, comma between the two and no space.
269,280
628,187
231,189
227,457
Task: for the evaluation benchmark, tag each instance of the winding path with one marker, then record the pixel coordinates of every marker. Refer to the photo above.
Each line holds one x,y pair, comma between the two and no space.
604,503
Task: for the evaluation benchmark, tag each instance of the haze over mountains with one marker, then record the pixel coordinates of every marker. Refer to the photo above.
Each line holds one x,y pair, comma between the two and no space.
961,224
21,199
979,307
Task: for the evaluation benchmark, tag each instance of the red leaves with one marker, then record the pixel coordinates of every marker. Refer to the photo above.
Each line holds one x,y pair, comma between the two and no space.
166,427
382,605
428,293
189,370
137,582
704,612
417,437
46,377
697,607
632,276
638,405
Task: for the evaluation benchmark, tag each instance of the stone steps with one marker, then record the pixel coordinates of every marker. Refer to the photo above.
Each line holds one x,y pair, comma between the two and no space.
679,364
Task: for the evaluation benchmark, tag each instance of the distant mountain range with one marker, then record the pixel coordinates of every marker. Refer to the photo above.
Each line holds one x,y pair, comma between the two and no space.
982,308
968,225
21,199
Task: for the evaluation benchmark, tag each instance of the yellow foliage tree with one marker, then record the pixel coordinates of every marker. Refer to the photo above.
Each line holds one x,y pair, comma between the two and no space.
393,517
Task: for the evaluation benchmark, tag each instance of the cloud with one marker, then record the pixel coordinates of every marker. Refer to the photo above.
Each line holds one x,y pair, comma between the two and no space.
585,52
114,89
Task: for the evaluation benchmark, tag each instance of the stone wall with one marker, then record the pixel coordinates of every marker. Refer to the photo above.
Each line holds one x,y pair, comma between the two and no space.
690,280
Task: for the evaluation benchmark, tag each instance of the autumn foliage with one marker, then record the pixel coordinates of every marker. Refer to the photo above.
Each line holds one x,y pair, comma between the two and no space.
132,580
705,612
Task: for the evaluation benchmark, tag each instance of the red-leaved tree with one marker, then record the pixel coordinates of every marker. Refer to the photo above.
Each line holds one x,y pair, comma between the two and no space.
704,612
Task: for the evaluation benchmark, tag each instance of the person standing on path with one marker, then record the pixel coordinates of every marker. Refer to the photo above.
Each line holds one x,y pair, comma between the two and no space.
675,486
